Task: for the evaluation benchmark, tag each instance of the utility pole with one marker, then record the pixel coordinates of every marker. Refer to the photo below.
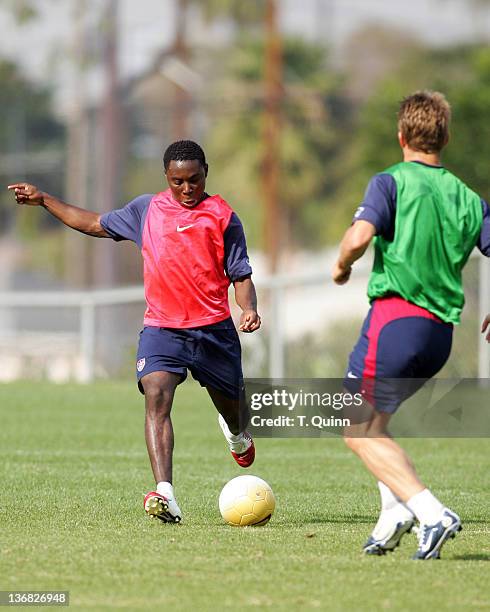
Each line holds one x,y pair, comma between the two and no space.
75,245
111,125
180,126
271,136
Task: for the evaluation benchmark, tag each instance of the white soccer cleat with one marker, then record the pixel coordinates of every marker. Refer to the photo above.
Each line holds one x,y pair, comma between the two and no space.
162,508
392,525
433,537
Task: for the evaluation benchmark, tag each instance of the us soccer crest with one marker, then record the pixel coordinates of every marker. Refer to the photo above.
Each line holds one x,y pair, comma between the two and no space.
140,364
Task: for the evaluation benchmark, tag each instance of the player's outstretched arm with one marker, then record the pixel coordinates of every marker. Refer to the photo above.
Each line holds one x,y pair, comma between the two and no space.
85,221
353,246
246,298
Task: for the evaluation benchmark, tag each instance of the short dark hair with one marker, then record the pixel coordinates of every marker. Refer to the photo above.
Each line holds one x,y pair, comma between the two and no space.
183,150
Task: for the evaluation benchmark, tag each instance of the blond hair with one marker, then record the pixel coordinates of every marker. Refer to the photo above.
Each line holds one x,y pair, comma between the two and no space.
423,120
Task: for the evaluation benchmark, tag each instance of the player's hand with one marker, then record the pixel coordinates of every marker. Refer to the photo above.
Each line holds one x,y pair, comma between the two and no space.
341,275
484,325
249,321
27,194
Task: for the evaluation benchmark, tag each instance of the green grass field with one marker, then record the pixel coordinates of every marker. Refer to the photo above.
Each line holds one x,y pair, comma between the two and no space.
74,470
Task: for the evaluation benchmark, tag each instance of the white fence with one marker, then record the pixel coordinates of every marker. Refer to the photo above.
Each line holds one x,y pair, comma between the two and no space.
309,325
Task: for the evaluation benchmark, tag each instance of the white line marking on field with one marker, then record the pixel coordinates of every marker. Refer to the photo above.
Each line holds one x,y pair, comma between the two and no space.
72,453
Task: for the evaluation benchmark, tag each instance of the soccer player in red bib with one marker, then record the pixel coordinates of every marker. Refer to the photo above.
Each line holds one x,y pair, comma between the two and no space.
193,247
425,222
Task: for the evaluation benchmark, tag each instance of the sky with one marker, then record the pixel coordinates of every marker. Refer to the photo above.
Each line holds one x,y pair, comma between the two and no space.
43,46
435,21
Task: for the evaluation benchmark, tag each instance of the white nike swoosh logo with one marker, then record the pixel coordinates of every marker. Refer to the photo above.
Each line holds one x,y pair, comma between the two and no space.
184,227
350,375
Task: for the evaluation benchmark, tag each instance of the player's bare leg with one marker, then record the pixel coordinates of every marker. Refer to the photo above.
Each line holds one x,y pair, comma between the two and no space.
159,390
233,419
391,465
234,411
383,457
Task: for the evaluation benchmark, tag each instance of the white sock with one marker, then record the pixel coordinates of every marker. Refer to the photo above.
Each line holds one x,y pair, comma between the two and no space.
238,443
427,508
388,499
392,504
227,433
393,511
166,489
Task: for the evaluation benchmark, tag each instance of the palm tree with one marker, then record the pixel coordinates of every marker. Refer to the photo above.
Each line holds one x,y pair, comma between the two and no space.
242,13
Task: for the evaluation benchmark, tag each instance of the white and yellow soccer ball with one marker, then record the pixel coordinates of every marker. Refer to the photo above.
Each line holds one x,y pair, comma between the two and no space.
246,500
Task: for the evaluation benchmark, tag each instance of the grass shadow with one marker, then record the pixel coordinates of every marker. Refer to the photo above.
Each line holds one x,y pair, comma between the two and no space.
353,519
472,557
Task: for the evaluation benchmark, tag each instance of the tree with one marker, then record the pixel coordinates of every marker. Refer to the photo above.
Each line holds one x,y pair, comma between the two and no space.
30,136
313,115
242,13
23,10
463,74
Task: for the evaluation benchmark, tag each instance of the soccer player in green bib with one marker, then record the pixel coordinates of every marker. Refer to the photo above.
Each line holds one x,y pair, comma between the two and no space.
424,222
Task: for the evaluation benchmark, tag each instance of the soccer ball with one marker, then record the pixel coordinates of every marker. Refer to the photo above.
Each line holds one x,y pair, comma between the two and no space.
246,500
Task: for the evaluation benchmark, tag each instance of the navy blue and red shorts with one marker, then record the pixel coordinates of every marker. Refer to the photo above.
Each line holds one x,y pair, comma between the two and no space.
400,347
212,353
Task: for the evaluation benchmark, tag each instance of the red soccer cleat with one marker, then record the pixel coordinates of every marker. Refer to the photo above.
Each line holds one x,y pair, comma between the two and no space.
158,506
246,458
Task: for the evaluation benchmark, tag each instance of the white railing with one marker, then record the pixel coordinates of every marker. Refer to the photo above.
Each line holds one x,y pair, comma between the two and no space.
337,302
86,302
